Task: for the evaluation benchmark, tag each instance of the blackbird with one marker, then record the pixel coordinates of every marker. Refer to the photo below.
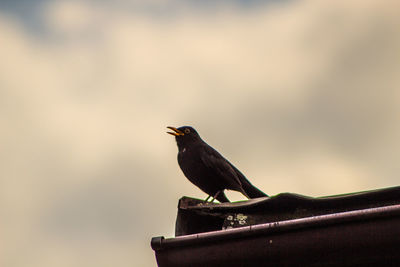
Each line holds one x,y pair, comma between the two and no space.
208,169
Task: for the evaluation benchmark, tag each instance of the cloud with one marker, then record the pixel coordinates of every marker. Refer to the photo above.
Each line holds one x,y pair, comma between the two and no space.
301,96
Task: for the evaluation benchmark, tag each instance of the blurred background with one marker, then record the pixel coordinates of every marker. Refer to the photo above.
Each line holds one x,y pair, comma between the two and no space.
301,95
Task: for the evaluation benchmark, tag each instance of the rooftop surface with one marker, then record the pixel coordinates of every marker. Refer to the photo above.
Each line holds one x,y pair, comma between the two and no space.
357,229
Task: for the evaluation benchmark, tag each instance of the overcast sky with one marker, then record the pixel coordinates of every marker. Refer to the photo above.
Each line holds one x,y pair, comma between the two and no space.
301,96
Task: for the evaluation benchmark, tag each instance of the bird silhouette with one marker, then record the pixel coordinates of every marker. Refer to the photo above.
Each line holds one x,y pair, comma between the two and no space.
208,169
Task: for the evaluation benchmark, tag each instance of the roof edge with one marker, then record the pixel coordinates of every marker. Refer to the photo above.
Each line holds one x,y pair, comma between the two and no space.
160,243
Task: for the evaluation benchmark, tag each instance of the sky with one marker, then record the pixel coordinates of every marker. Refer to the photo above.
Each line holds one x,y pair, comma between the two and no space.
301,95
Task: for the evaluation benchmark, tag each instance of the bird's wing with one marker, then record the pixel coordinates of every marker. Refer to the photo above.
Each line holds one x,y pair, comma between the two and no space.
216,162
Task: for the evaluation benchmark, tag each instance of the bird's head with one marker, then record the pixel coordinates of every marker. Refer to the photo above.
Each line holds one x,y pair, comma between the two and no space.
184,135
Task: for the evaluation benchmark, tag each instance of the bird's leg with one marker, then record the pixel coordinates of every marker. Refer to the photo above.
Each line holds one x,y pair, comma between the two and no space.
215,196
207,198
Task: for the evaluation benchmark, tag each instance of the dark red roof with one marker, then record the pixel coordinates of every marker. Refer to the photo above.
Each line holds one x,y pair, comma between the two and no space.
358,229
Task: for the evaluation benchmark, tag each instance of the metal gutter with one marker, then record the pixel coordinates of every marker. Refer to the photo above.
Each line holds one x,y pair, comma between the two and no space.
159,243
362,237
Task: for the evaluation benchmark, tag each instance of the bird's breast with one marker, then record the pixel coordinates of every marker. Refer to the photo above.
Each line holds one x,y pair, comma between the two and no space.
188,159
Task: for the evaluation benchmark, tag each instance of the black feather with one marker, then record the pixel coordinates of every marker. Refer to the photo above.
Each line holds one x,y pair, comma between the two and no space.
208,169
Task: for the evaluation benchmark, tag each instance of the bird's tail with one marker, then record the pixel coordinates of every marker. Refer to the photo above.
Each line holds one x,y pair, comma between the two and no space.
251,191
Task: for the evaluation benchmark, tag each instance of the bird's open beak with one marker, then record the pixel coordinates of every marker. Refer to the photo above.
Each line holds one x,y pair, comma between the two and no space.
176,131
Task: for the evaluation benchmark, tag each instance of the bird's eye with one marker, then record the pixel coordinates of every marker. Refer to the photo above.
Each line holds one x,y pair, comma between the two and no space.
187,131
